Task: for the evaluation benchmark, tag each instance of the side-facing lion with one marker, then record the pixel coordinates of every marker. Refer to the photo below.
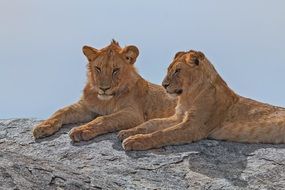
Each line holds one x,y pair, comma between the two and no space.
207,108
115,97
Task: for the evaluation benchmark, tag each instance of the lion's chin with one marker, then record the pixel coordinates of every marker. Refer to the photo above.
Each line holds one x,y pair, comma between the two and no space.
172,96
105,97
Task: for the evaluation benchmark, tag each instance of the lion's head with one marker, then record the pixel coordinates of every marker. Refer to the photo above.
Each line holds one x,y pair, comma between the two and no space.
111,69
187,68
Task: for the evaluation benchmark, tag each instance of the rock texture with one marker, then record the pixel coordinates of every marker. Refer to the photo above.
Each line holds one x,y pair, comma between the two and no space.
56,163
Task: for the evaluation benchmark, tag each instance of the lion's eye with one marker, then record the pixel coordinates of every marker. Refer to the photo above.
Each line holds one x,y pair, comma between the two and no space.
97,69
177,71
116,70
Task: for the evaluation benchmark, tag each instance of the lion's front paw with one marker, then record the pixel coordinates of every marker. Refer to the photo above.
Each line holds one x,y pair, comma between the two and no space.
125,134
137,142
46,128
82,133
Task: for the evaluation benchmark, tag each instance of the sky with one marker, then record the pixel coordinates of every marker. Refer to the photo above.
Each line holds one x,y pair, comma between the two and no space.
42,67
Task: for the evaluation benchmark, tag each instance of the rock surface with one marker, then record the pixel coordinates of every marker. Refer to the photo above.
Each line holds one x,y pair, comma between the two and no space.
56,163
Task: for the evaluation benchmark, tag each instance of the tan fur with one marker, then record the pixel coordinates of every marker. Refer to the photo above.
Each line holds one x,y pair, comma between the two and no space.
115,97
207,108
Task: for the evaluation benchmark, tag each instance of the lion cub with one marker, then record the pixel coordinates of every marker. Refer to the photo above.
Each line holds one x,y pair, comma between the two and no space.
207,108
115,97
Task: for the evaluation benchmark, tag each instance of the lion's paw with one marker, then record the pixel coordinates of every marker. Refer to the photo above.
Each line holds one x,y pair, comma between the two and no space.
137,142
46,128
125,134
82,133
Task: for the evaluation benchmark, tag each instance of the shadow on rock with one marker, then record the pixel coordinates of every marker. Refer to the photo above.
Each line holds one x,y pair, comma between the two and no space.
215,159
106,137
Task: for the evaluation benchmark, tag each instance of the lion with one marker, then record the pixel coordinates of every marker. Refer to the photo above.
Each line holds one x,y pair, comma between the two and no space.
206,108
115,97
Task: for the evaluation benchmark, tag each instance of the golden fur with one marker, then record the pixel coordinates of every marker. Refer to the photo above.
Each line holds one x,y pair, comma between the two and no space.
207,108
115,97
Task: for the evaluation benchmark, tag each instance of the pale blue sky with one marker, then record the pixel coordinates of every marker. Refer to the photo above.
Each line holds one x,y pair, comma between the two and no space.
42,67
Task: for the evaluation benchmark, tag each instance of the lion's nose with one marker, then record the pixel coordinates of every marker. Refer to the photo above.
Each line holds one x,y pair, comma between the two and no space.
165,85
104,88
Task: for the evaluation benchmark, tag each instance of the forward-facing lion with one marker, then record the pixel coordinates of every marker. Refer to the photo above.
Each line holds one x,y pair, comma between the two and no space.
207,108
115,97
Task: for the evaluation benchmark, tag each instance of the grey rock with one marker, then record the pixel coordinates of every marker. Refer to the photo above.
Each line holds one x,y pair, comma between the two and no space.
57,163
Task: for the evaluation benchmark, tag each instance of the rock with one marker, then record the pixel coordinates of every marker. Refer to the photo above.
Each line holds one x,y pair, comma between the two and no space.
56,163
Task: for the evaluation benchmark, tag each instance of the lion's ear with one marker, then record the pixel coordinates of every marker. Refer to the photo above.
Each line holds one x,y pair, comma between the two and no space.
130,53
179,54
200,55
90,52
195,57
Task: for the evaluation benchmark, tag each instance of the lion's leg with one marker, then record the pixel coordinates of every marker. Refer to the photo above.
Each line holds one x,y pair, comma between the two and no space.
192,128
179,134
150,126
252,132
123,119
74,113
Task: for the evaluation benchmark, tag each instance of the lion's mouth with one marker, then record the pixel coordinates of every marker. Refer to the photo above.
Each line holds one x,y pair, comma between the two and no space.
105,96
176,92
179,91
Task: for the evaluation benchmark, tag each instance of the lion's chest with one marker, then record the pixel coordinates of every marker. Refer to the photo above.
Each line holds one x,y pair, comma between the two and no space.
101,107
